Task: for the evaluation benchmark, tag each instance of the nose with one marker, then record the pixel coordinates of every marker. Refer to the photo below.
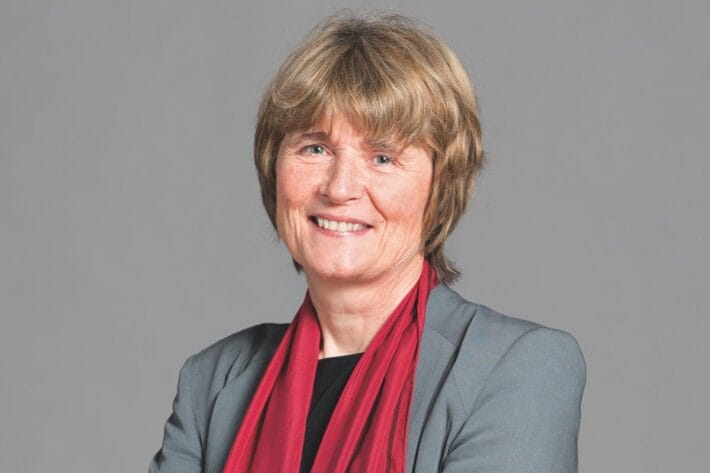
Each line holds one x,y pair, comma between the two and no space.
343,181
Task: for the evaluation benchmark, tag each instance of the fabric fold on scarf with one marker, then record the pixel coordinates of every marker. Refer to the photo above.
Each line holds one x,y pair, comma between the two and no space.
367,432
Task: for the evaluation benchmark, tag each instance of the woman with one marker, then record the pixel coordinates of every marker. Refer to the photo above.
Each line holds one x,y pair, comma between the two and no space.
367,145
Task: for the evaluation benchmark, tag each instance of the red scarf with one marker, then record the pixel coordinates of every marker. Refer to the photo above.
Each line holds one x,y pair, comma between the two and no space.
367,432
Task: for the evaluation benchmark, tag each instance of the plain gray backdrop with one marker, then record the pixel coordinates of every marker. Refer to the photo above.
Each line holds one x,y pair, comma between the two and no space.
132,233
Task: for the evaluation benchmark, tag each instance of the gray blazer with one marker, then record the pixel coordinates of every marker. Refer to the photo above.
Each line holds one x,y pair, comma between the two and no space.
493,394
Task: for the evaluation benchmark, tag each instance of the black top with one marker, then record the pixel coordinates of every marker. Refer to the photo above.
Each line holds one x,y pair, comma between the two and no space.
331,376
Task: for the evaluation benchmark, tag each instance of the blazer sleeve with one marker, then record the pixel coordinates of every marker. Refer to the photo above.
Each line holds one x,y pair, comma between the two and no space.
182,449
526,417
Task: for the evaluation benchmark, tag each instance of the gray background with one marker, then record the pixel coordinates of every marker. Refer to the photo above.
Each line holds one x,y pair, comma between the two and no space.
131,231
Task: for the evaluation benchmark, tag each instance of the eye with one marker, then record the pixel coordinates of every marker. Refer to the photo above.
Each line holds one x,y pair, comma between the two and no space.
382,160
315,149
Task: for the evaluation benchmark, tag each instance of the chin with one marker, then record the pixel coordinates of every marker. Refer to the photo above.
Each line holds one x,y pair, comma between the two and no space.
336,270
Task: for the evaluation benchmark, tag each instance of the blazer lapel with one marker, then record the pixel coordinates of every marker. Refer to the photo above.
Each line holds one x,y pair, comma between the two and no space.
435,355
229,408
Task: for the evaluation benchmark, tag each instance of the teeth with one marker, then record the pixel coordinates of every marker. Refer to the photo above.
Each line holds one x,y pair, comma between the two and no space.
341,227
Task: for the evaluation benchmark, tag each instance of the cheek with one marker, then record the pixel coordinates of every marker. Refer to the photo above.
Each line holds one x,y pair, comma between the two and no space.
284,201
288,190
411,201
293,192
406,211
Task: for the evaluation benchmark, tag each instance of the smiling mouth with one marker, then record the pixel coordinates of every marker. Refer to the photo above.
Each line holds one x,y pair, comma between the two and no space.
339,226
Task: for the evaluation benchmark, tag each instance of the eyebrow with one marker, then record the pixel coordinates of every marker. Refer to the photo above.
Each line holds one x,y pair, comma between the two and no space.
316,135
370,143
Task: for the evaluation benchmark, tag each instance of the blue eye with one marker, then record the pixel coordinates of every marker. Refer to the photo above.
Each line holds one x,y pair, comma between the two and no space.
383,159
315,149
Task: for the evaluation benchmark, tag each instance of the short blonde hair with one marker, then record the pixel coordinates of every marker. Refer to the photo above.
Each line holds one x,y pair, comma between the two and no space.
394,79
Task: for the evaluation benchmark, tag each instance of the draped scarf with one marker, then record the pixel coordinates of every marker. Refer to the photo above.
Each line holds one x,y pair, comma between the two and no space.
367,432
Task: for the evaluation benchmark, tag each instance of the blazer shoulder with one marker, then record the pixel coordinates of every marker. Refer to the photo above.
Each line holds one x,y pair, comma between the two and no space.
507,336
484,338
227,357
464,322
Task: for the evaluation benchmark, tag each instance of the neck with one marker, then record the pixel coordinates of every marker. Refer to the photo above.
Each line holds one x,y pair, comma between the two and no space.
351,313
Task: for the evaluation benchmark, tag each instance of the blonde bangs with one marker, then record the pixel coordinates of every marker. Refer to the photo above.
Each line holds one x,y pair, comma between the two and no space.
386,102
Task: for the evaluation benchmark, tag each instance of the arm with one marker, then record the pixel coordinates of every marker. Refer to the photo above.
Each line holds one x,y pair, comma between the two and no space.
526,417
182,448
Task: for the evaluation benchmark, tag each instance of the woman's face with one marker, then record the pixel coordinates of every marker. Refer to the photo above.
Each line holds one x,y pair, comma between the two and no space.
347,208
